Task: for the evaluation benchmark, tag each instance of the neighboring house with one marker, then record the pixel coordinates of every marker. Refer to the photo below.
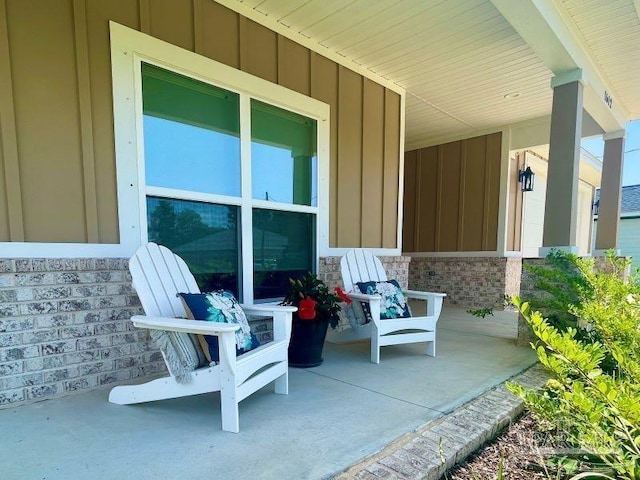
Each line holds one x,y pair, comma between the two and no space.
287,133
629,226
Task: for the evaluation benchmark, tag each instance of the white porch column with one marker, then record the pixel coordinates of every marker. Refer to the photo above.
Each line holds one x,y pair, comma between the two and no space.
610,192
561,213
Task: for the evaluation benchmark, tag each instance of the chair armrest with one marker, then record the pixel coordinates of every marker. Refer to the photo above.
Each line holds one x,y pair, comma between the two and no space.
423,295
363,296
183,325
281,315
434,301
266,308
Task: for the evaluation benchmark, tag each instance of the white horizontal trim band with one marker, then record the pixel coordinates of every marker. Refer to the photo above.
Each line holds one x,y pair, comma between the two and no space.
380,252
93,250
64,250
464,254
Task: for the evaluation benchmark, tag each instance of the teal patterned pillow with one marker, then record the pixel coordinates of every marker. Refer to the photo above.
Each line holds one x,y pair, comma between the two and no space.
222,307
393,303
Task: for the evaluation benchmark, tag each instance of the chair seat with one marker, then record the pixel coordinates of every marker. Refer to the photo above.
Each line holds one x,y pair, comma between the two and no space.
427,324
359,266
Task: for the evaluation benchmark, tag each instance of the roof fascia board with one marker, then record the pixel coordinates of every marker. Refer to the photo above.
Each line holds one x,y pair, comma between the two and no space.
312,45
544,25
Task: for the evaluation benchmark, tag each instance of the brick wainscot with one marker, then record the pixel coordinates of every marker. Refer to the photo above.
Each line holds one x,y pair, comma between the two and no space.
475,282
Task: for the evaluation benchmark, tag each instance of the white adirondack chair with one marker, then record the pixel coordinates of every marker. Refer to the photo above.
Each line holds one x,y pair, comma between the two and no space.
158,275
360,265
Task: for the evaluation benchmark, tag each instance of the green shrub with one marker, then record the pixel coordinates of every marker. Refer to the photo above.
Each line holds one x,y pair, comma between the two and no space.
559,285
564,283
593,395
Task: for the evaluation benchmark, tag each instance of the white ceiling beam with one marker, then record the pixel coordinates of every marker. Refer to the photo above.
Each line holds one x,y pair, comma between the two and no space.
544,25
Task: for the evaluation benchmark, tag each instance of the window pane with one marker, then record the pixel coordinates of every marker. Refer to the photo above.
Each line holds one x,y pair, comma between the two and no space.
283,155
283,247
204,235
191,133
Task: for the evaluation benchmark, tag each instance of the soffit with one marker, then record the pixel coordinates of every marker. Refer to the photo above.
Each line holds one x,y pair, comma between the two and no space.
611,31
456,60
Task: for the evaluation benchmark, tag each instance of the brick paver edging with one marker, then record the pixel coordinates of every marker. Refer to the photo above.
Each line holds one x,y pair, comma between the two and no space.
434,448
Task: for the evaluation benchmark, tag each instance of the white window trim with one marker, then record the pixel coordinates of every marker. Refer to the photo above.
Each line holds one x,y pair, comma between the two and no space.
128,49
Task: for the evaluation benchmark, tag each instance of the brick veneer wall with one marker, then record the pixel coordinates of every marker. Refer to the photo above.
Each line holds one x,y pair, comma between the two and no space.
395,267
527,292
64,328
513,276
475,282
527,287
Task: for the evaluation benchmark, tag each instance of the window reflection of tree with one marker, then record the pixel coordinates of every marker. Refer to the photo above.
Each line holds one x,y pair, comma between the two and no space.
211,252
266,255
172,229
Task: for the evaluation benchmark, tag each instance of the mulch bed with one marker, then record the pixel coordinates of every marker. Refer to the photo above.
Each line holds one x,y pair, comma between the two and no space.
516,451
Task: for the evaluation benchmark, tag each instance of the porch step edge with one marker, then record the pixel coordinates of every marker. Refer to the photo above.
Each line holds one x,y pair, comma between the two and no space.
433,448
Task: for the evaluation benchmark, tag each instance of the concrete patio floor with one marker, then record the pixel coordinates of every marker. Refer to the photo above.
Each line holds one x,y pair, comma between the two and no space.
334,415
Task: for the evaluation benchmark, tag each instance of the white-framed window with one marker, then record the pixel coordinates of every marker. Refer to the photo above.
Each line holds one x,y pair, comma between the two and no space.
228,170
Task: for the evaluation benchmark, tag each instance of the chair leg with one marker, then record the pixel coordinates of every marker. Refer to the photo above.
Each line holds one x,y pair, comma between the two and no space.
282,384
431,348
375,349
229,409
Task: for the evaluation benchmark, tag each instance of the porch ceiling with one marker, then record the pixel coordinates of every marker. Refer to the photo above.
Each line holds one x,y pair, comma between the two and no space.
458,60
611,30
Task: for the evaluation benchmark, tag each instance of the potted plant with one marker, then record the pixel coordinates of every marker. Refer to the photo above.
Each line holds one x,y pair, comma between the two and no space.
317,309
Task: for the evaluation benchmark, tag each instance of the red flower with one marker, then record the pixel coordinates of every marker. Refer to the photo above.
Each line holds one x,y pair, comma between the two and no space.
343,296
307,309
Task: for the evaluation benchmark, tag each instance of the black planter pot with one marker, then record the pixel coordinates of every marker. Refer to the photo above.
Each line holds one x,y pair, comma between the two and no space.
307,340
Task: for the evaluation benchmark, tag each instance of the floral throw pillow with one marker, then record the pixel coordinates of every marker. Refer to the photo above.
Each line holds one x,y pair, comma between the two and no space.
220,306
393,303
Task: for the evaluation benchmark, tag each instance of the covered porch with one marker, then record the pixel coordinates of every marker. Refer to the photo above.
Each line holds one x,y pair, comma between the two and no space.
416,107
334,416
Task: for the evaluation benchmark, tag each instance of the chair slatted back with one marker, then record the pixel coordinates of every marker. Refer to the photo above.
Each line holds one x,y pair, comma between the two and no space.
360,265
158,276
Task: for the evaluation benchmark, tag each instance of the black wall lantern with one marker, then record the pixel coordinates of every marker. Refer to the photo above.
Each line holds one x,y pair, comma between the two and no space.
526,179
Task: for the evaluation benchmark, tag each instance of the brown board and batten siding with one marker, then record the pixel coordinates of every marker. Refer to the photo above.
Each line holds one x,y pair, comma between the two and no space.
57,157
451,196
